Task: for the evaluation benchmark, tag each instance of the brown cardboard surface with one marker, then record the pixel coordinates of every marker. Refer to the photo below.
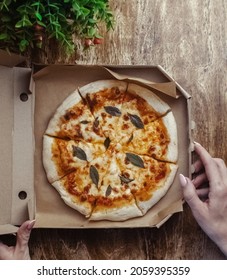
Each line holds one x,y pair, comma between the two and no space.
16,146
52,85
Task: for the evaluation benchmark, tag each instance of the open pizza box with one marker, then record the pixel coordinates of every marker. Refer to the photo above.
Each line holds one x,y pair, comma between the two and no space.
27,102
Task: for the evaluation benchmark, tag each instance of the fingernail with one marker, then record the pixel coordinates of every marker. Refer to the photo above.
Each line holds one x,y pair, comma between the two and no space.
196,143
30,225
183,180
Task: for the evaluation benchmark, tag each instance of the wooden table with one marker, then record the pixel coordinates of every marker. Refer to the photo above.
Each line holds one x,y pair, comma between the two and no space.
188,39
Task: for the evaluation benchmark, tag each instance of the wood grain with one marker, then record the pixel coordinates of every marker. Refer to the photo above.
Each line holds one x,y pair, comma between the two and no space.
188,39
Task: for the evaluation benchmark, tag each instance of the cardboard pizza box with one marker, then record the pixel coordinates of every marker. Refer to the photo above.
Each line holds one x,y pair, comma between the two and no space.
29,101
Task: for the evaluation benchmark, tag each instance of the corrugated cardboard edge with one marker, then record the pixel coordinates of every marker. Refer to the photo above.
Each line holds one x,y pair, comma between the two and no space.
191,125
10,59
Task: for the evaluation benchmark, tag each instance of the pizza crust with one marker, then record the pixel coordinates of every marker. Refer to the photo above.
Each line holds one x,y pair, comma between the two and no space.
48,163
159,192
116,213
171,126
74,202
102,85
153,100
54,125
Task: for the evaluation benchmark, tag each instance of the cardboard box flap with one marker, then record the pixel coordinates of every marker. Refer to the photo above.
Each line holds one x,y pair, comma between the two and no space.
9,59
166,86
16,147
7,229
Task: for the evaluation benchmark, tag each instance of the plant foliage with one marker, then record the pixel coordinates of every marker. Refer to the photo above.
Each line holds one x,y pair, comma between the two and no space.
24,24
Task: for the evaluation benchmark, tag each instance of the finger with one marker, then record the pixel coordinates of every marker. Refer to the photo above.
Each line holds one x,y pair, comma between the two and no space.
203,192
23,235
200,180
191,197
222,168
197,166
210,165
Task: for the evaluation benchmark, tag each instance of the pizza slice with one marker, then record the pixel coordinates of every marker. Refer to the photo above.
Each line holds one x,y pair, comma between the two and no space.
73,120
61,157
115,201
77,191
147,103
105,99
80,188
148,179
157,139
138,108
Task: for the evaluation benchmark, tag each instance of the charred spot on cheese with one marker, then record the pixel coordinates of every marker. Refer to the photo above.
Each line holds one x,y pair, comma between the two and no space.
116,91
69,115
125,126
136,121
79,153
113,111
126,117
160,175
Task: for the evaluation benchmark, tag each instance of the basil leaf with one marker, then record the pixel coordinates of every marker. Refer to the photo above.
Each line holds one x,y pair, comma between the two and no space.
84,122
96,122
130,139
108,190
94,175
79,153
113,111
135,160
107,142
136,121
125,179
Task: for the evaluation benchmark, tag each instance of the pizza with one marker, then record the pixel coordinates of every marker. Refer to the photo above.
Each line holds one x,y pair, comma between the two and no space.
111,150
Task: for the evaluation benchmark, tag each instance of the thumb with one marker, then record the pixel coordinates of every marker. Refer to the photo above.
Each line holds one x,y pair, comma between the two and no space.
23,235
190,195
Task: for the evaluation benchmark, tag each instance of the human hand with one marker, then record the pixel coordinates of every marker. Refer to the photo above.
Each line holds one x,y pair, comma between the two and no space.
206,195
20,251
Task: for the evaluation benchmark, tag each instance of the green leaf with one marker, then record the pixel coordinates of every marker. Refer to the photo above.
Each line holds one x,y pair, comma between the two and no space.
79,153
19,24
107,142
135,160
38,16
108,190
113,111
41,23
3,36
136,121
94,175
125,180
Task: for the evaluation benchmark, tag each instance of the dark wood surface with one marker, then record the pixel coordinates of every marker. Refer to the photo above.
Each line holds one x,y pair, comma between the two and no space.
188,39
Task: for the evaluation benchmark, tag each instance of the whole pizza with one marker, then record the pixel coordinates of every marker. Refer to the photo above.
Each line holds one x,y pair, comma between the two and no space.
110,150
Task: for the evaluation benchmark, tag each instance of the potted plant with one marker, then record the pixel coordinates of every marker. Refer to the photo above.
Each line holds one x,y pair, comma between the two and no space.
25,25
